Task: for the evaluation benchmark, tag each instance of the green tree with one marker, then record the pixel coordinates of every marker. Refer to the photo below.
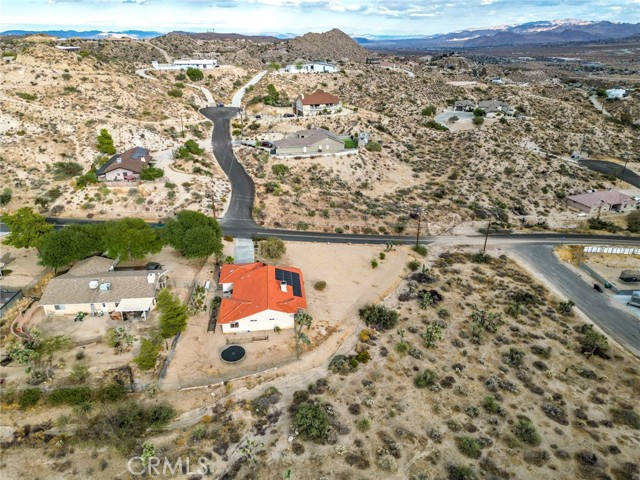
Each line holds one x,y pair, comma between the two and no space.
194,74
601,92
151,173
379,316
432,333
193,234
130,238
105,142
272,248
280,170
27,228
429,110
173,314
633,221
148,356
477,121
5,196
274,66
67,245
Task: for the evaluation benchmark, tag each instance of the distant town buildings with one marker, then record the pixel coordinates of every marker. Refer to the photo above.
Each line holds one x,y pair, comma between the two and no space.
601,201
68,48
317,103
314,67
125,166
185,64
489,107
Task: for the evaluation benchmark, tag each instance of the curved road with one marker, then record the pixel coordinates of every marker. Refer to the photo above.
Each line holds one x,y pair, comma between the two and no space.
239,214
609,168
236,101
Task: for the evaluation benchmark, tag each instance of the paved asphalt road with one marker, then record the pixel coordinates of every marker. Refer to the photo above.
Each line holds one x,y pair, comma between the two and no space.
607,168
238,214
615,322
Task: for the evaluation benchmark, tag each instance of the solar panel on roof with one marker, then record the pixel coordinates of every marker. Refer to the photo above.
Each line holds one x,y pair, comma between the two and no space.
292,279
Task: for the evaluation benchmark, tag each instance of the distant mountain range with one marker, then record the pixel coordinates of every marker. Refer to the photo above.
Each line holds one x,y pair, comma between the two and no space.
542,32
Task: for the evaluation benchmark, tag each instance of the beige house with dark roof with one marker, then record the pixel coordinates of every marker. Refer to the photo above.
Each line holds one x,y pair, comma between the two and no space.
92,287
602,201
305,142
318,103
125,166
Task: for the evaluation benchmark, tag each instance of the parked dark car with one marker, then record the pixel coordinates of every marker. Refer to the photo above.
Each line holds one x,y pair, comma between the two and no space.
258,117
288,115
267,144
598,288
153,266
221,104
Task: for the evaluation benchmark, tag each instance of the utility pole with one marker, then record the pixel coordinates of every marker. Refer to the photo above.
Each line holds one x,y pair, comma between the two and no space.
181,126
600,208
486,236
418,232
624,169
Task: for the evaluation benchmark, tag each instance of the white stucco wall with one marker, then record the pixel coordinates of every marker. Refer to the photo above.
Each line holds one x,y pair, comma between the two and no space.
261,322
118,174
72,309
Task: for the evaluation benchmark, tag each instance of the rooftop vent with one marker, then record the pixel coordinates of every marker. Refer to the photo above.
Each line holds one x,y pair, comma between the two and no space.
119,160
93,284
105,287
283,286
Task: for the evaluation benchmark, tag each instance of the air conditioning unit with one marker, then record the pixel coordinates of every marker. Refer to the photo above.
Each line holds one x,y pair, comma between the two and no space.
93,284
151,278
105,286
283,286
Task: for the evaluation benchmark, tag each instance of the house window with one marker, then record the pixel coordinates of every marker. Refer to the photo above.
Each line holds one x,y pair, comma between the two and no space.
271,319
60,307
253,320
235,325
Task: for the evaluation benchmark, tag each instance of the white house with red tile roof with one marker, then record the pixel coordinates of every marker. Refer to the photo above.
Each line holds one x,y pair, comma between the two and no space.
262,297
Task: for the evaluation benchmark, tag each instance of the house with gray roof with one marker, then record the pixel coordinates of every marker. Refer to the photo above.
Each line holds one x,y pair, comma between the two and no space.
601,201
125,166
312,141
92,286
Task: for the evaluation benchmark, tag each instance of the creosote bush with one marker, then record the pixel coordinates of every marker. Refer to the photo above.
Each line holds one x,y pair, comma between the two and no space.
425,379
525,431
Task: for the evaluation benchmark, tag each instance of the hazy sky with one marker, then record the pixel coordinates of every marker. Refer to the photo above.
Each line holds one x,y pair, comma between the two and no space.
298,16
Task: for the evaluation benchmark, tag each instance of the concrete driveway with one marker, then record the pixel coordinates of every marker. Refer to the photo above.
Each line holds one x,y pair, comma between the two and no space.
236,101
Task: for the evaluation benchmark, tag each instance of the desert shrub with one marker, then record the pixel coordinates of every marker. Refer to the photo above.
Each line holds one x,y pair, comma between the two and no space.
109,393
373,146
426,378
387,463
310,421
194,74
429,110
79,373
26,96
363,424
478,120
633,221
592,342
273,248
435,125
541,351
175,92
149,350
413,265
513,357
378,316
151,173
596,223
469,447
123,423
491,405
69,396
29,397
65,170
364,356
459,472
5,196
320,286
525,431
420,250
627,417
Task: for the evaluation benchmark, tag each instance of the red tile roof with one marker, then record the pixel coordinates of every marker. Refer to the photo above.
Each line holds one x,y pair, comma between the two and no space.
230,272
320,98
256,289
